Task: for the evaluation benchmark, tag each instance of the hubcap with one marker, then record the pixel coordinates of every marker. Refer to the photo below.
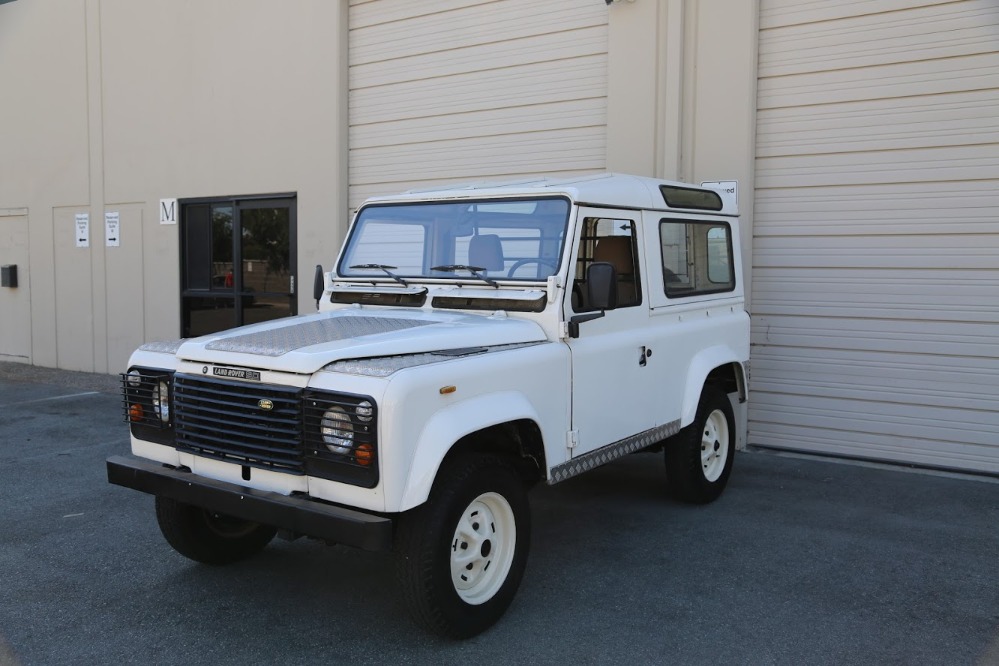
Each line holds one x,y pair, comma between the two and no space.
714,445
482,548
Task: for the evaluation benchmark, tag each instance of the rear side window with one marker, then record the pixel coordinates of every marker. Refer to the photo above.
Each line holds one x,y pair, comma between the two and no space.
697,257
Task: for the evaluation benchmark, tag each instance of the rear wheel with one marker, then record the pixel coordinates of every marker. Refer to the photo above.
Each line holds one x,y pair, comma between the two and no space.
699,458
209,537
462,554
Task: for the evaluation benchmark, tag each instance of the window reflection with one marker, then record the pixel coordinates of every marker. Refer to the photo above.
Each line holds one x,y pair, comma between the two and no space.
222,275
266,250
266,307
207,314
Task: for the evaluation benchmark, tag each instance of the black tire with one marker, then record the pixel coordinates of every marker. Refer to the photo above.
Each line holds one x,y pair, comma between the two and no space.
208,537
471,487
694,471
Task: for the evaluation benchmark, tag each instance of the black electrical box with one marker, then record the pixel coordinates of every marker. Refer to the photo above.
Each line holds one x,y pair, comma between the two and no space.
8,275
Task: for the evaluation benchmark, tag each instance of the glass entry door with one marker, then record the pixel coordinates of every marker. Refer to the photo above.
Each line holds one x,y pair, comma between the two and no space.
238,260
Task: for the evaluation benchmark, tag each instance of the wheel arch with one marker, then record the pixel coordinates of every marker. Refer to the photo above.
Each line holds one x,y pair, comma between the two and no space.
504,423
718,366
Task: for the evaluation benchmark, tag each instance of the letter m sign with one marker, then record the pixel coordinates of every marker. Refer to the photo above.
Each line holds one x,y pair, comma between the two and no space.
168,211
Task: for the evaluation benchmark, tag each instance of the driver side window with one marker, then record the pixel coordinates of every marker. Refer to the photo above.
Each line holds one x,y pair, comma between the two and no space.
612,241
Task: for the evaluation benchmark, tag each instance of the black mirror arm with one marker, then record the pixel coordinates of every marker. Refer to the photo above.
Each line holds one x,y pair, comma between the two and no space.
576,320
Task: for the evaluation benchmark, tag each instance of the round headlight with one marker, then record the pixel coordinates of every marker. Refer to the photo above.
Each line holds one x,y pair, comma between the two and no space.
338,434
161,401
364,411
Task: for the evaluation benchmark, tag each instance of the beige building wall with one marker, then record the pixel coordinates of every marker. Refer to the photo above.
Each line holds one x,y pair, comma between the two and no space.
111,105
43,171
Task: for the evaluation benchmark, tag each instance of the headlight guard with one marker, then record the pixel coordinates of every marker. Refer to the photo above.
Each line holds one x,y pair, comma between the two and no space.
147,398
341,442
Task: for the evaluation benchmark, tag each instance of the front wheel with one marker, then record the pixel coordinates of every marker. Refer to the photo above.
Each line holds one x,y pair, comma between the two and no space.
462,554
699,457
209,537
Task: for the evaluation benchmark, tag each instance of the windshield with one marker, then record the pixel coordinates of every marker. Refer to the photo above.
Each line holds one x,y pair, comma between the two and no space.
471,241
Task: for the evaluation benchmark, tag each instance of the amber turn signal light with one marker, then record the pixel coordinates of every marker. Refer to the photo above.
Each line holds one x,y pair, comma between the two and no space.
135,412
364,454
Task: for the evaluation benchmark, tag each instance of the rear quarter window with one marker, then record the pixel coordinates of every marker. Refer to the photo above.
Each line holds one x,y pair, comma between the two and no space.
696,257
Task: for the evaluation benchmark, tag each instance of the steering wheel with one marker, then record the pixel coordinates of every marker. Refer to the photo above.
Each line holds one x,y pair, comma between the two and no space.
523,262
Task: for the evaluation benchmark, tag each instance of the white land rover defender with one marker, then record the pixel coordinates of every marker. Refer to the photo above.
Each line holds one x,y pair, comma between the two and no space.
469,343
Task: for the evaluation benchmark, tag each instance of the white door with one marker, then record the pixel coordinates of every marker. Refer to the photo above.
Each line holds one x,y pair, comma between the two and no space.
15,304
613,392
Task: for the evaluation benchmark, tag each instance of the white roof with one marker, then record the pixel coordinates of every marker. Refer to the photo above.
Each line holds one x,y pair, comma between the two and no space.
605,189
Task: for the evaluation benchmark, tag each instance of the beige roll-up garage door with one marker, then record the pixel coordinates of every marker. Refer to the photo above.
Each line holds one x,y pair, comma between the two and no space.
876,243
466,90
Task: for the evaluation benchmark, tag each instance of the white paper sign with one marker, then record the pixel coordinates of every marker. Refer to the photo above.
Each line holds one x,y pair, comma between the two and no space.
82,230
168,211
728,189
112,230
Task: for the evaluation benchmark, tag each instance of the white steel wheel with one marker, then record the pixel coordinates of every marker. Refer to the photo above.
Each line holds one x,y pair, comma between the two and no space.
699,457
482,548
463,552
714,445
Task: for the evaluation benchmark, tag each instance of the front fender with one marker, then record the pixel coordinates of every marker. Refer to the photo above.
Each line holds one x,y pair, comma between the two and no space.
697,372
448,426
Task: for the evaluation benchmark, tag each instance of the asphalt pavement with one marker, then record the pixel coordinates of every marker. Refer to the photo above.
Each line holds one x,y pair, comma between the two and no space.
802,561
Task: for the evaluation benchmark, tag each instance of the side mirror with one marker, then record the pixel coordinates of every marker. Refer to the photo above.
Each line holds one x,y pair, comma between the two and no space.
318,284
601,292
601,286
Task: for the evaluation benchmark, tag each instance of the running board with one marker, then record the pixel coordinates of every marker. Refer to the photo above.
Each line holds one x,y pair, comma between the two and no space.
606,454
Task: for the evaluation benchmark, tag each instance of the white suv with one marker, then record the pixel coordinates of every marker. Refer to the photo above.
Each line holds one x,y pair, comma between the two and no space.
468,344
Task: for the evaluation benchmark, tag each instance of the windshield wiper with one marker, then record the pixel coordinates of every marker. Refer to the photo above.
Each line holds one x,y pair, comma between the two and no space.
385,268
474,270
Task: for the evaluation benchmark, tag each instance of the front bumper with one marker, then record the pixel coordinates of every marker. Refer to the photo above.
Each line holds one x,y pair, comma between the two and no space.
299,515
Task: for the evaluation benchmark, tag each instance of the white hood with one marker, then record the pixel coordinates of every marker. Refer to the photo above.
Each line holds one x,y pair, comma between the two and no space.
307,343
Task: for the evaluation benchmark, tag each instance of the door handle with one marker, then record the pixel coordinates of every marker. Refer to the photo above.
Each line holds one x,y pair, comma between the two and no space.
645,353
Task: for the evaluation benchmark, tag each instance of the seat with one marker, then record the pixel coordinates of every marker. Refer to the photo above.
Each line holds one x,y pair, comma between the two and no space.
616,250
486,251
